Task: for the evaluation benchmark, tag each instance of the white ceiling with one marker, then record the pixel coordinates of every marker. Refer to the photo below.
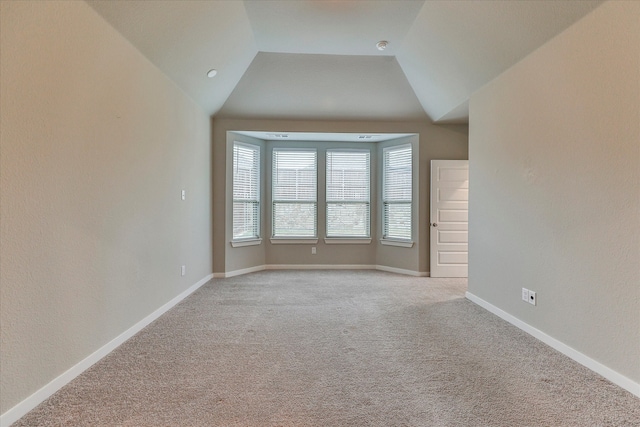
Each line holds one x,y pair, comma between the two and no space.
316,59
302,86
331,27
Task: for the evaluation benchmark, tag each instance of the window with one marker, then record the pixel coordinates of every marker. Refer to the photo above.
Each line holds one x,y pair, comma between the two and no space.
246,191
294,193
397,193
348,194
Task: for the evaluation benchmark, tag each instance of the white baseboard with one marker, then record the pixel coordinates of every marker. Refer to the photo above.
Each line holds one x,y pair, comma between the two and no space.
239,272
22,408
402,271
320,267
597,367
345,267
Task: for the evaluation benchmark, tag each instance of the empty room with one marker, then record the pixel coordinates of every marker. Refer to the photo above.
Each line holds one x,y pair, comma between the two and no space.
319,213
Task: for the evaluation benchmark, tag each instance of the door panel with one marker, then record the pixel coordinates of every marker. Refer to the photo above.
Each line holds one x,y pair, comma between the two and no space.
453,215
459,258
445,237
449,218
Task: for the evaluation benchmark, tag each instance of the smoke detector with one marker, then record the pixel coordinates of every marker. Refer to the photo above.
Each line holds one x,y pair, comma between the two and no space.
382,44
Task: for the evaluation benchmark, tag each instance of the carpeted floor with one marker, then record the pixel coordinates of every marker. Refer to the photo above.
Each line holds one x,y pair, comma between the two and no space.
335,348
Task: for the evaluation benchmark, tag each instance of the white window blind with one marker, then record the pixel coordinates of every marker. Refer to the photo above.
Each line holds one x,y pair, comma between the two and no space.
294,193
397,192
246,191
348,194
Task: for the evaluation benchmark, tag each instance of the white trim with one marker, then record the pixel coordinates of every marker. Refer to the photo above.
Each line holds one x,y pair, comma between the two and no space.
413,162
597,367
247,242
400,243
402,271
22,408
347,241
247,145
293,241
258,175
320,267
239,272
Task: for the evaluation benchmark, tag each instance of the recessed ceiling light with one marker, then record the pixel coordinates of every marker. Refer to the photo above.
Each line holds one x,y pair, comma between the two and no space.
212,73
382,45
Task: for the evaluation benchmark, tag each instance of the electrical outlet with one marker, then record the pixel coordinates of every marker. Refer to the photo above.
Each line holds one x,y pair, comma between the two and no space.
525,294
183,195
183,271
313,250
532,298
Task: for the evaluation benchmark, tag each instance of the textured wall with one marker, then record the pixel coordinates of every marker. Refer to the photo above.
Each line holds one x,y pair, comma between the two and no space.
555,188
96,145
436,142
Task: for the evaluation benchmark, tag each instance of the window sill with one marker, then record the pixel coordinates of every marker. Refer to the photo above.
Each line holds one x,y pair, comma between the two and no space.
399,243
347,241
247,242
293,241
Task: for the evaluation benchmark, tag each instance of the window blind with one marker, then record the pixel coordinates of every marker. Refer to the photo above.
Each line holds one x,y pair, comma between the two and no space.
246,191
294,193
397,192
348,193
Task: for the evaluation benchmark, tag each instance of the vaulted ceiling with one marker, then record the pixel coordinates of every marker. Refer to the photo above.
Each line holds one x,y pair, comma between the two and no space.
317,59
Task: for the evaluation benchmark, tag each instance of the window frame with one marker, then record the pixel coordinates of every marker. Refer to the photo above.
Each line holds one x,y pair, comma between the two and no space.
394,240
254,239
347,238
291,238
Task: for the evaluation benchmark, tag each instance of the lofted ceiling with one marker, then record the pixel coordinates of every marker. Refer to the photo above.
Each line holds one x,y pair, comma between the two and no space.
317,59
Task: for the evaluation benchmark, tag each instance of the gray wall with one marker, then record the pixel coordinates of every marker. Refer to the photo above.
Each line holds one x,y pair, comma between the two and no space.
435,142
555,188
96,146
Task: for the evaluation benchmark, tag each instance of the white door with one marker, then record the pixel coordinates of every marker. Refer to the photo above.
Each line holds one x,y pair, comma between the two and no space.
449,218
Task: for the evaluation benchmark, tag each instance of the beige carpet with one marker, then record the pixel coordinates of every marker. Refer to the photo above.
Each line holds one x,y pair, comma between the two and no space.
335,348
